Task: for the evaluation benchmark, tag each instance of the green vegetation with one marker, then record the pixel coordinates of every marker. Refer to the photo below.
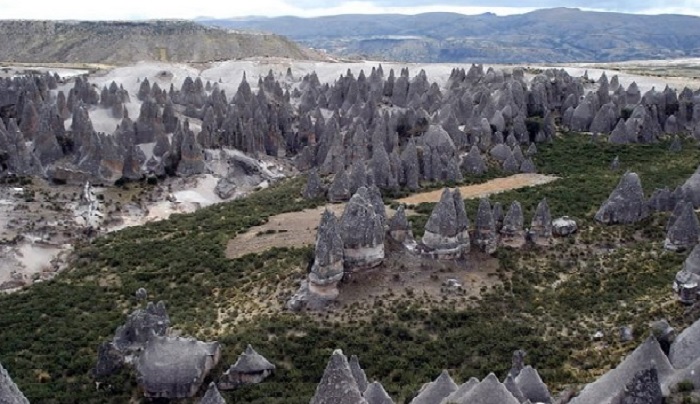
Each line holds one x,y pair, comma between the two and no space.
552,299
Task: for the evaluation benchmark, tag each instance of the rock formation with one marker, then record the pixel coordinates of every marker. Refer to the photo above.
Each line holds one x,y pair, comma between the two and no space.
541,224
250,368
338,386
644,388
687,281
436,391
400,228
375,394
532,387
485,236
684,232
564,226
462,390
212,396
314,186
9,392
626,203
446,234
173,367
362,232
488,391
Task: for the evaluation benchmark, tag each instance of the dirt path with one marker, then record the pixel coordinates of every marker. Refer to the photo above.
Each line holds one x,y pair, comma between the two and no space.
488,188
297,229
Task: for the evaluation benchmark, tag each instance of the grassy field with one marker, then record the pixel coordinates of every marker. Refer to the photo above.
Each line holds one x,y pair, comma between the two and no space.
551,302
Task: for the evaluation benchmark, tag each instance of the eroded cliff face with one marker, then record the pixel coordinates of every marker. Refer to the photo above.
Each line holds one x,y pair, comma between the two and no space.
122,42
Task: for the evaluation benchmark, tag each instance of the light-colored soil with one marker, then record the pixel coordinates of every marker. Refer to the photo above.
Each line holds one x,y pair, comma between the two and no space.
297,229
488,188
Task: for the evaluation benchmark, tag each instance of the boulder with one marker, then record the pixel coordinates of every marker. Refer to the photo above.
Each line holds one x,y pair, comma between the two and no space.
564,226
626,203
338,386
174,367
687,281
250,368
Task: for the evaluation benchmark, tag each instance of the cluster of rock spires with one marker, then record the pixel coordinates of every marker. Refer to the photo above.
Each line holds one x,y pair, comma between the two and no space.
388,130
356,241
170,366
345,382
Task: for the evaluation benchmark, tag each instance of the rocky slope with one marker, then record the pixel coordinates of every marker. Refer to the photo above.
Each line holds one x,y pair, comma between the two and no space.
120,42
549,35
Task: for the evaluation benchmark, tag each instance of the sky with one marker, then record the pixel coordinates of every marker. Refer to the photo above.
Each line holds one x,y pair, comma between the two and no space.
169,9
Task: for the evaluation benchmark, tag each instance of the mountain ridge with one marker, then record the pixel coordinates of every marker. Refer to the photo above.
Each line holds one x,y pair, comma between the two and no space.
545,35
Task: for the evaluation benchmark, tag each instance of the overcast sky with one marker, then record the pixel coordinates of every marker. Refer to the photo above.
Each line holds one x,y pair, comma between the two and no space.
153,9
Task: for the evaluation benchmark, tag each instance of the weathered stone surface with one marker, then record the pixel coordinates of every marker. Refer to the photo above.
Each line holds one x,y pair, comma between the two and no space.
661,200
626,203
541,223
400,228
532,387
339,190
513,388
173,367
327,269
685,348
109,360
564,226
684,232
687,281
338,386
212,396
610,385
485,236
528,166
375,394
676,145
358,373
619,134
691,188
644,388
473,163
191,154
501,152
9,392
250,368
436,391
314,187
362,232
489,391
511,166
443,233
458,395
141,325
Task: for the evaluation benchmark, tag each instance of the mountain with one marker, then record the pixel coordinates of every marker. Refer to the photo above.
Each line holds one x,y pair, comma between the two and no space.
547,35
121,42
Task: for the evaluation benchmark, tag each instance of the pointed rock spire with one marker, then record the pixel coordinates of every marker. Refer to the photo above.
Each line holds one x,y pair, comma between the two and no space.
626,203
684,232
212,396
375,394
338,386
9,392
541,223
489,391
437,390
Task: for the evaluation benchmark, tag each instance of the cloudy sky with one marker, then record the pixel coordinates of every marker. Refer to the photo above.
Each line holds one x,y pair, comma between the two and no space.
133,9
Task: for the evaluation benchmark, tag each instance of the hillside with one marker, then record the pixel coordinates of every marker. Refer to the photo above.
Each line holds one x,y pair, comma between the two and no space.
548,35
116,42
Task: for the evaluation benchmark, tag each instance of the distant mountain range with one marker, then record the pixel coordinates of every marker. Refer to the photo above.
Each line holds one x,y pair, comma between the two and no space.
547,35
122,42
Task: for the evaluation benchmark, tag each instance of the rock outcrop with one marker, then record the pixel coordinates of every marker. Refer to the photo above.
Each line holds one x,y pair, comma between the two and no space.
541,225
488,391
400,228
684,232
174,367
437,390
446,232
338,386
626,203
212,396
9,392
687,281
362,232
250,368
375,394
485,236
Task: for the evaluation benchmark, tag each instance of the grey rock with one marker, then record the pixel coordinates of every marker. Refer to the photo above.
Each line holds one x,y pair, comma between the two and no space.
400,228
212,396
501,152
191,154
437,390
685,348
358,176
541,223
626,203
619,134
485,236
676,145
513,388
9,392
532,387
362,232
684,232
626,334
517,362
513,221
339,190
691,188
498,215
250,368
473,163
615,164
489,391
109,360
314,187
358,373
141,325
644,388
173,367
327,268
338,386
375,394
141,294
410,166
661,200
458,395
531,150
528,166
443,233
564,226
511,166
